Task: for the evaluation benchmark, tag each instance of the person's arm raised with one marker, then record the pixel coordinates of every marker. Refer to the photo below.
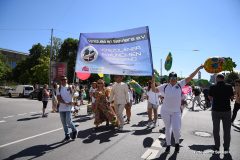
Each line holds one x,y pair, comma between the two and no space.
188,79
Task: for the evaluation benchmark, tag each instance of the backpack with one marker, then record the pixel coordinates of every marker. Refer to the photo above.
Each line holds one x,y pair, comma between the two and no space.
40,95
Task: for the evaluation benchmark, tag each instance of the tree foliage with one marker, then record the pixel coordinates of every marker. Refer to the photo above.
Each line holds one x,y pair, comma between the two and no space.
5,70
231,77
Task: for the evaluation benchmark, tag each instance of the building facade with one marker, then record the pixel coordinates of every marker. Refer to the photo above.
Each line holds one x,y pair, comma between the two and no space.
12,57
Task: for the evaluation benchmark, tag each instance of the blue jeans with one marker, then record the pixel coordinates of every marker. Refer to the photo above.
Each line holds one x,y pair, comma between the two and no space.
66,119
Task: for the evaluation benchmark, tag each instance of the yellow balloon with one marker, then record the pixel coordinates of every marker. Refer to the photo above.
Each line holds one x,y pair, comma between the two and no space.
100,75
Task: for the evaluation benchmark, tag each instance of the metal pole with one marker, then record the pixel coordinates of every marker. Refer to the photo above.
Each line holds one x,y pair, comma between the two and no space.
161,68
50,63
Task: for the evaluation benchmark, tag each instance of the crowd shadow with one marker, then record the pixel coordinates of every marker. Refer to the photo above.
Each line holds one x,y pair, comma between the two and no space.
81,118
140,124
142,131
201,148
142,113
102,133
217,157
29,118
36,151
37,114
236,128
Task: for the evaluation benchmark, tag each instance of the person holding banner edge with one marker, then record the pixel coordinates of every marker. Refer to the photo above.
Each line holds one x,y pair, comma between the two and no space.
119,96
170,110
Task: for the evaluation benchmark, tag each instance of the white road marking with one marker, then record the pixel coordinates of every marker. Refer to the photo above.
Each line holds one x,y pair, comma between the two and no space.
24,139
2,121
157,143
9,116
162,136
33,112
150,154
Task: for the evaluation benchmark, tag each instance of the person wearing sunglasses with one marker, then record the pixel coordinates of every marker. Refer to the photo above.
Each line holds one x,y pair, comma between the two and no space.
65,98
103,112
170,110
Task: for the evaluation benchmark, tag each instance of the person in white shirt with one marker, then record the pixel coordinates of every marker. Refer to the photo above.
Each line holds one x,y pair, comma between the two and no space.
128,107
119,96
65,98
91,93
170,110
153,103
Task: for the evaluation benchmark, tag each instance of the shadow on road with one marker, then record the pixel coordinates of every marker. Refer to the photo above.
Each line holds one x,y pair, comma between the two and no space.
217,157
82,118
36,151
27,119
147,142
236,128
142,131
140,124
164,155
103,134
201,147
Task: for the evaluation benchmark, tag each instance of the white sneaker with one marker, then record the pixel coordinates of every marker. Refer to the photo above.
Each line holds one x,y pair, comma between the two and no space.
154,124
149,124
120,128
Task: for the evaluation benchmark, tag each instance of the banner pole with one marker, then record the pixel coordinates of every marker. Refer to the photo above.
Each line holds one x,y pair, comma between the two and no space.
150,49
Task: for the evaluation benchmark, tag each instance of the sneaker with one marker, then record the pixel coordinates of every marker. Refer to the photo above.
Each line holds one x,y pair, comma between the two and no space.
149,124
120,128
167,150
127,121
177,147
216,150
44,115
154,124
226,151
74,135
67,138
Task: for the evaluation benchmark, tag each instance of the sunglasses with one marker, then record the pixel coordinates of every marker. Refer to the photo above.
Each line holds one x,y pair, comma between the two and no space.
173,78
99,83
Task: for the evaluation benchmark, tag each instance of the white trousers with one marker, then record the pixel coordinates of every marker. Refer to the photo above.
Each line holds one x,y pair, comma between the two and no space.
172,122
119,112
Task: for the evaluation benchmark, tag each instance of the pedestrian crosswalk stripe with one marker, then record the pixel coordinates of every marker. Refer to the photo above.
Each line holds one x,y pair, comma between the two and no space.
150,154
2,121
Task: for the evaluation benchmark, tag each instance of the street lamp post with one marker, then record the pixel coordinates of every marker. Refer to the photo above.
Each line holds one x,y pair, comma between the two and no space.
50,62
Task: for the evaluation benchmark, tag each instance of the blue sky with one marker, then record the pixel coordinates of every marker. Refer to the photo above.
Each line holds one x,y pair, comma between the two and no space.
176,26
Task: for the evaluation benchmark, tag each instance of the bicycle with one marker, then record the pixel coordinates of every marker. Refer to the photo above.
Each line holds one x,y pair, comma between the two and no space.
202,104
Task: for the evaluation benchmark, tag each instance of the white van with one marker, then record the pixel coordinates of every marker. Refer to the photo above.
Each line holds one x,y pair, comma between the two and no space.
21,91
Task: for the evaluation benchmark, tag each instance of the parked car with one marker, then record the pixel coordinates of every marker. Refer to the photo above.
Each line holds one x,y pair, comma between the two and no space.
4,90
34,94
21,91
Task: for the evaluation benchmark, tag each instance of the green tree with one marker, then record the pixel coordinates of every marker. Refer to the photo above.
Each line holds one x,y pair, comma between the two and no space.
68,53
23,72
231,77
5,70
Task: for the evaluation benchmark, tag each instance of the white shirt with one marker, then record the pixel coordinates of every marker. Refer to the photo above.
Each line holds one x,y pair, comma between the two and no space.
93,90
172,96
66,96
153,97
119,93
130,94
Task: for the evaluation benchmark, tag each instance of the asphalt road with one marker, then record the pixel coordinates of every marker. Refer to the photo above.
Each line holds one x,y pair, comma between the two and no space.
24,134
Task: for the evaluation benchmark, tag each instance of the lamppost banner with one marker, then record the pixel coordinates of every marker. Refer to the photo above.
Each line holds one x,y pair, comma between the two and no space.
125,52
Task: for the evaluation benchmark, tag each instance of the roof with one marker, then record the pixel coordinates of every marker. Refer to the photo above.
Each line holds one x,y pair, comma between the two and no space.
12,51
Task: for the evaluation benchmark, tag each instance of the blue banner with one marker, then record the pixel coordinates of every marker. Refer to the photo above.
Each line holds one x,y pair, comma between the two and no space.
125,52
